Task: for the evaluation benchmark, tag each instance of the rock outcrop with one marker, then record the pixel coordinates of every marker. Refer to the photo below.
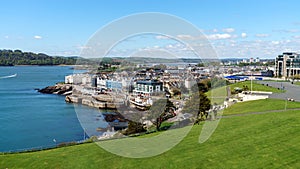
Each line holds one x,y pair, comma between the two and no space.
60,89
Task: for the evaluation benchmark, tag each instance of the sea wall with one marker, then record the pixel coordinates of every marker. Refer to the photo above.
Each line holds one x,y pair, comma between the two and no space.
91,102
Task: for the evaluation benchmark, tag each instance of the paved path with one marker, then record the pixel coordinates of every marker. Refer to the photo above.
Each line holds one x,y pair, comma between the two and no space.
292,91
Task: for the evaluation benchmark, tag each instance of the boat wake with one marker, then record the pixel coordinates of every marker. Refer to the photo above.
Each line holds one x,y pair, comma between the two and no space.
10,76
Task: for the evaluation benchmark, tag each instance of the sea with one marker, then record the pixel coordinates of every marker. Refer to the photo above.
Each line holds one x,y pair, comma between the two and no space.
32,120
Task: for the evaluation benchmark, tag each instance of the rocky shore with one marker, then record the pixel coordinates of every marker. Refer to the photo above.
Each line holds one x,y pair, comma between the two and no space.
105,103
101,101
60,89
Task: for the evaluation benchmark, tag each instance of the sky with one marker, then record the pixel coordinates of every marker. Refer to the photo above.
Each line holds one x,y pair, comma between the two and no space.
235,28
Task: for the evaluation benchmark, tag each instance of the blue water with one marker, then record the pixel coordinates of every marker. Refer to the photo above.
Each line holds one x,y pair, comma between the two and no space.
29,119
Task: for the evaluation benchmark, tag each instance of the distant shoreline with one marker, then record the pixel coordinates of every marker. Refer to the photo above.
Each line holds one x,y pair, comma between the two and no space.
35,65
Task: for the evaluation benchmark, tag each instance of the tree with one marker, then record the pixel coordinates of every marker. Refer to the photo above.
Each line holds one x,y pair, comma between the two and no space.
134,127
160,111
200,64
198,105
199,87
17,57
176,91
160,66
218,82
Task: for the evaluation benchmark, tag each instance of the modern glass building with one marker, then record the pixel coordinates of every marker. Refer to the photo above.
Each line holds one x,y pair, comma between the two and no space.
148,86
287,65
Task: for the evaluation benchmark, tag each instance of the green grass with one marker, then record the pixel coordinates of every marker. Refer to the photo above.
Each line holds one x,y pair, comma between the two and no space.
260,106
255,86
257,141
297,83
269,80
218,95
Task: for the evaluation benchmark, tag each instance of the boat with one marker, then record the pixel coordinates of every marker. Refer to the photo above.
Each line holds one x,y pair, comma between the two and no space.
10,76
139,104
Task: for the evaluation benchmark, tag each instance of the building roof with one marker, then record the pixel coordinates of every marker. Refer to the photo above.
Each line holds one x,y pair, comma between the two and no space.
149,82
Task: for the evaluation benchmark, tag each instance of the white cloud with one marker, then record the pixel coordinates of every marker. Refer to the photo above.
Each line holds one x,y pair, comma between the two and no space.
161,37
228,30
287,30
6,37
216,36
190,37
170,46
296,37
275,42
292,30
37,37
219,36
83,47
255,48
262,35
211,30
186,37
243,35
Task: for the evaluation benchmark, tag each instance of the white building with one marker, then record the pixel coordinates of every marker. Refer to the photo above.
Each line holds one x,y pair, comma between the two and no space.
189,82
257,60
78,79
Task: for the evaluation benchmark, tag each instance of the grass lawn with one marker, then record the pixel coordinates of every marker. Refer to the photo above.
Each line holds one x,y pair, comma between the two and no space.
297,83
256,141
218,95
260,106
255,86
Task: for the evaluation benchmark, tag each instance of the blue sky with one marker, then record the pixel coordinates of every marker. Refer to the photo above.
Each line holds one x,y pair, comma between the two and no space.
240,29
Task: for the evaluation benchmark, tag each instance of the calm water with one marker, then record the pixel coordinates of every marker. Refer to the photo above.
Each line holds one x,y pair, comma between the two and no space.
30,119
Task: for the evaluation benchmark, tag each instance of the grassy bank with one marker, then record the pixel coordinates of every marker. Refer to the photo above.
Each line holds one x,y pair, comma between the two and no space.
255,86
260,106
256,141
218,95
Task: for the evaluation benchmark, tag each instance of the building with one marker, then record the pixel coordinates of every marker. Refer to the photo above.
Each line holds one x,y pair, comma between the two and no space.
94,81
78,79
257,60
287,65
148,86
267,73
110,84
251,60
189,82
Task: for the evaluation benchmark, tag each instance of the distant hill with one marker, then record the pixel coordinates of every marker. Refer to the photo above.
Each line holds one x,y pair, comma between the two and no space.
17,57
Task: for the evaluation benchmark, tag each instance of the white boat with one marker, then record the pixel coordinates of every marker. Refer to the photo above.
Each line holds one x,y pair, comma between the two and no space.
10,76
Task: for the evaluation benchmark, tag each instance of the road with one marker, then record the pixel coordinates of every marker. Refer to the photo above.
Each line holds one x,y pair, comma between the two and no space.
292,91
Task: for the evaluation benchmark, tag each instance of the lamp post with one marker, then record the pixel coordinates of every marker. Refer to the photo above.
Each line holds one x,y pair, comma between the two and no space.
251,81
285,103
